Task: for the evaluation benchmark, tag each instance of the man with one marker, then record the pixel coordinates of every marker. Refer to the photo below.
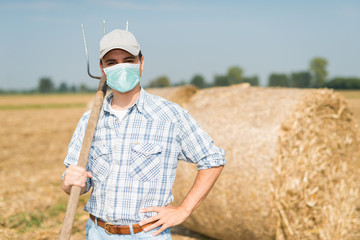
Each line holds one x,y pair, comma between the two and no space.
132,163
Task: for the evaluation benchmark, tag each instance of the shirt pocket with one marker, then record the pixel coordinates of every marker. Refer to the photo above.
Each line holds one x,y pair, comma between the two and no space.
145,161
99,163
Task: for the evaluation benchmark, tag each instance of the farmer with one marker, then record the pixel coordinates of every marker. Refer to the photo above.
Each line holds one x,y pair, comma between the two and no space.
132,163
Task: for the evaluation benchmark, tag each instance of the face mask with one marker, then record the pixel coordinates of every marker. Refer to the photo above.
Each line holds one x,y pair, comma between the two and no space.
123,77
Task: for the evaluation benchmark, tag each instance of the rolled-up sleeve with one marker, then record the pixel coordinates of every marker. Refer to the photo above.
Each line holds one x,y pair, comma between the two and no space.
196,146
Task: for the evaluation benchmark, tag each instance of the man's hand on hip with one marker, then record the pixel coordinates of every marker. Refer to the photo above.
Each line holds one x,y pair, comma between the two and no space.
168,216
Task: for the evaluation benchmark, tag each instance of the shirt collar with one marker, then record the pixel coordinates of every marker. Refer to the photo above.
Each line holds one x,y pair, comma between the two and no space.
141,101
139,104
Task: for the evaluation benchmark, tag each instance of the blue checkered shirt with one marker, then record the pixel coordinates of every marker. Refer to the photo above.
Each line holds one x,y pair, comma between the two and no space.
133,161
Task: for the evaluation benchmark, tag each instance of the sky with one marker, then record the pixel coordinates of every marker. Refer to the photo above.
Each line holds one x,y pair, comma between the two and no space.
178,38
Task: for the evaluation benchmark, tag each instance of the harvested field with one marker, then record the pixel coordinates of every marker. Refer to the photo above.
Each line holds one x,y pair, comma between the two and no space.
34,139
35,132
12,102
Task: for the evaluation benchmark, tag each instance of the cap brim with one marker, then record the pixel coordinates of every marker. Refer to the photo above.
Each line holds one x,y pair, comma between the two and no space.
132,50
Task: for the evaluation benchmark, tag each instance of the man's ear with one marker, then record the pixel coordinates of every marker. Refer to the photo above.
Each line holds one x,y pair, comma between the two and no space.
141,65
101,68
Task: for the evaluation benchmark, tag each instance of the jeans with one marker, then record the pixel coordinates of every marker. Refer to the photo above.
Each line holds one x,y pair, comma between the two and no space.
94,232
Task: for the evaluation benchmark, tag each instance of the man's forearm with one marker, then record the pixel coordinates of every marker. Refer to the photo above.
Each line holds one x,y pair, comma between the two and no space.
204,181
169,216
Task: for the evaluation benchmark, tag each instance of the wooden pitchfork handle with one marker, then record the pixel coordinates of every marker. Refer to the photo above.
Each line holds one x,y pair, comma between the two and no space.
73,201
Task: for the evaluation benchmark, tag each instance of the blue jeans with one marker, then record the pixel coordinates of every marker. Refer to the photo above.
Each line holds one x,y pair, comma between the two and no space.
94,232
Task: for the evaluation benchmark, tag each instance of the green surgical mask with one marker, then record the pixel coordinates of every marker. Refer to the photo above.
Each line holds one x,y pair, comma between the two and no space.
123,77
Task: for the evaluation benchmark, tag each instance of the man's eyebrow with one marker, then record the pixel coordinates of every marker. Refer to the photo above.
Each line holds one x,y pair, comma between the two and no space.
110,60
130,57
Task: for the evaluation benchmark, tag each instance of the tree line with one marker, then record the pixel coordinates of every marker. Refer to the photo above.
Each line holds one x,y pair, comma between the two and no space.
316,76
234,75
46,85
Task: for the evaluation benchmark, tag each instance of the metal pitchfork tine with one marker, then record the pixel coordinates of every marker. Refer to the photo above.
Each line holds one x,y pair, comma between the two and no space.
86,51
73,201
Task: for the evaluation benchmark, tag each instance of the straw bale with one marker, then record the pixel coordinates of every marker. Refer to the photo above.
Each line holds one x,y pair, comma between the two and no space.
316,187
293,165
181,95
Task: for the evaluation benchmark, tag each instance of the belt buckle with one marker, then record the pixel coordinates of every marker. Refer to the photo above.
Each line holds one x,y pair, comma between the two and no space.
106,228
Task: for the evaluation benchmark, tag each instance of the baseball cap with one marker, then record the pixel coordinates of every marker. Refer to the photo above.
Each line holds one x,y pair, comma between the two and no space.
119,39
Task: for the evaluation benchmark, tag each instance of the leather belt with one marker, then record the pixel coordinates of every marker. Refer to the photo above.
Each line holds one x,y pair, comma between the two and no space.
119,229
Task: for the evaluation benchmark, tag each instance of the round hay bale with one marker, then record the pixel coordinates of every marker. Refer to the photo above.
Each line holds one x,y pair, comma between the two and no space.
180,95
293,165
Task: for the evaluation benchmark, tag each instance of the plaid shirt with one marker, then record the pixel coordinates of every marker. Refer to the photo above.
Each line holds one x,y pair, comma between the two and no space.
133,161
